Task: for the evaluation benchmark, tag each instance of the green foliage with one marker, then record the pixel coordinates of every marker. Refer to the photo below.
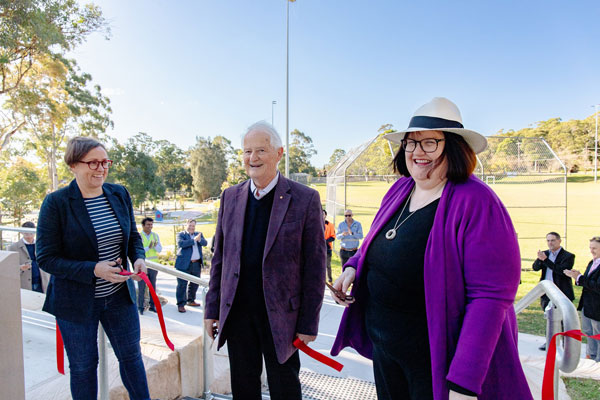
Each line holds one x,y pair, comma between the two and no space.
135,168
376,160
209,167
336,156
172,168
573,141
301,151
22,189
36,30
236,173
56,101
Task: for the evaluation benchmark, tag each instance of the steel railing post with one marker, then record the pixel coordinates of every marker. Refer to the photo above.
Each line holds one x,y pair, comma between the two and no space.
206,345
102,367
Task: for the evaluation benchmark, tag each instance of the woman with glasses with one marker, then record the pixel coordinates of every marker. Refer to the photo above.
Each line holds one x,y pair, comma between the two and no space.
434,281
589,303
85,234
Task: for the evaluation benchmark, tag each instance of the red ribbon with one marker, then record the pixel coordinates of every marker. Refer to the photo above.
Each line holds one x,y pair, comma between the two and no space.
322,358
60,352
157,305
548,382
60,356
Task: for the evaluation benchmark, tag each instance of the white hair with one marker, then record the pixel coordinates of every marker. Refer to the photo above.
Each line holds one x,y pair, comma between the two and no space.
264,126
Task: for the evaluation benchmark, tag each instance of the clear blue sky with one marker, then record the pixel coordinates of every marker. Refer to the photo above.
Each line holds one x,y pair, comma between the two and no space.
181,69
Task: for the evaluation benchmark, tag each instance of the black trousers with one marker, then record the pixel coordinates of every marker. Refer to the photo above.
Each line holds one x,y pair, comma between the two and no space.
249,338
345,255
401,356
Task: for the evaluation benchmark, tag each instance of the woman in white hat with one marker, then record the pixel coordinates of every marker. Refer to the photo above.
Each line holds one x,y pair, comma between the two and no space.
436,276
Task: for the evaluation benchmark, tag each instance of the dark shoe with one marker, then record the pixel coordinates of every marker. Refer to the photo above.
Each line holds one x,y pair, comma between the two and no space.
152,309
141,311
193,304
542,347
181,309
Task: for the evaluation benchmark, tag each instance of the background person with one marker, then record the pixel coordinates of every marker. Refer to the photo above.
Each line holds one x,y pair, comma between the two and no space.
329,238
189,260
152,247
268,272
32,277
589,303
349,232
83,228
434,289
552,263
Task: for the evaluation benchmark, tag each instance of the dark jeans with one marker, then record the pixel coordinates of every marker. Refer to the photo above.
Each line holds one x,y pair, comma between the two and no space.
249,338
142,289
345,255
120,321
329,267
191,288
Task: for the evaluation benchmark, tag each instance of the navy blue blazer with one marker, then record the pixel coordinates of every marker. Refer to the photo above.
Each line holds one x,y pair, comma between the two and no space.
67,248
185,241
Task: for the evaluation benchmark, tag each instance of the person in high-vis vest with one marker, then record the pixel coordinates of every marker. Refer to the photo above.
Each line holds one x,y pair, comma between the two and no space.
152,246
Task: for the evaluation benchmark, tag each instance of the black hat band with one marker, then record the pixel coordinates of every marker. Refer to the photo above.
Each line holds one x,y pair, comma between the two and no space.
421,121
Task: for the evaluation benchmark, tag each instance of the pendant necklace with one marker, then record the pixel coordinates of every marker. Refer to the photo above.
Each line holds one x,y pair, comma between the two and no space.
391,234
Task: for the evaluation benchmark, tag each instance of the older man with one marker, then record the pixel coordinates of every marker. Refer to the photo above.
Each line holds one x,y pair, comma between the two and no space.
32,277
268,271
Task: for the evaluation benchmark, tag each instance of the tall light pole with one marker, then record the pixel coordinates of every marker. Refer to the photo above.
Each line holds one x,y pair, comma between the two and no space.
272,109
287,89
596,147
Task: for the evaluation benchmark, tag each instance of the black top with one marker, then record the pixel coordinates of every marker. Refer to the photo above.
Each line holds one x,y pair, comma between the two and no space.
249,293
395,277
396,316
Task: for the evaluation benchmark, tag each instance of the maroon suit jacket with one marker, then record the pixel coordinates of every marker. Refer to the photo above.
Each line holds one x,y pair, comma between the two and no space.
293,262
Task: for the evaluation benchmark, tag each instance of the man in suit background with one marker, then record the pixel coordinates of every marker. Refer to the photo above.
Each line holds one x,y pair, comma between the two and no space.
552,263
268,271
32,277
189,260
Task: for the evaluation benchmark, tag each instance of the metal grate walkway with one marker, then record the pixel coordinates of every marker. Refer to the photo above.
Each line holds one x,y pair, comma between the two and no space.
324,387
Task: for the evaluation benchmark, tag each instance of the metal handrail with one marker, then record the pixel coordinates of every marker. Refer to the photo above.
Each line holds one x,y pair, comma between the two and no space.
561,315
103,389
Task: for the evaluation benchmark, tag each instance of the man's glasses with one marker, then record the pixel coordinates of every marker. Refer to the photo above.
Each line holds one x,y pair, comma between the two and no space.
347,215
96,164
427,145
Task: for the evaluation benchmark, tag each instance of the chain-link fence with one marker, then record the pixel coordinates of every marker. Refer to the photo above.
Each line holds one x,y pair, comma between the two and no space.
526,174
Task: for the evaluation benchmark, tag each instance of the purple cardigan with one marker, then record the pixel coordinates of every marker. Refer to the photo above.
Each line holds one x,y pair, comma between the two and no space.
472,270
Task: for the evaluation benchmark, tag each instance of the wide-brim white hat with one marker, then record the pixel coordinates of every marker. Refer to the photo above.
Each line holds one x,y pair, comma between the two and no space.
440,114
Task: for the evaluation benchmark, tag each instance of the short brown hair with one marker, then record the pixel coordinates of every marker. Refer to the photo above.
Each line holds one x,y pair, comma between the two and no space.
78,147
595,239
459,155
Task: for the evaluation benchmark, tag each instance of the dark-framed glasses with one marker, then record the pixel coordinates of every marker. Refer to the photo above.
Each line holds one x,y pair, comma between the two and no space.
96,164
348,215
428,145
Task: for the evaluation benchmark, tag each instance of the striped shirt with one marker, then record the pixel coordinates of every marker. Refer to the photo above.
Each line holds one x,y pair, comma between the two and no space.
109,236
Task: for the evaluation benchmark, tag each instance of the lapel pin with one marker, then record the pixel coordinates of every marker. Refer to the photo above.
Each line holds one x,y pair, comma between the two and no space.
281,197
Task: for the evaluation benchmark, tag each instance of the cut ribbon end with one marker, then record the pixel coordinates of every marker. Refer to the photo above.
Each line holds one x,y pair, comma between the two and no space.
322,358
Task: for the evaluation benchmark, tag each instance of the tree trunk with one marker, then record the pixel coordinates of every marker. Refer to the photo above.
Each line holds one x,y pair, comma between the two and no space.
54,177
